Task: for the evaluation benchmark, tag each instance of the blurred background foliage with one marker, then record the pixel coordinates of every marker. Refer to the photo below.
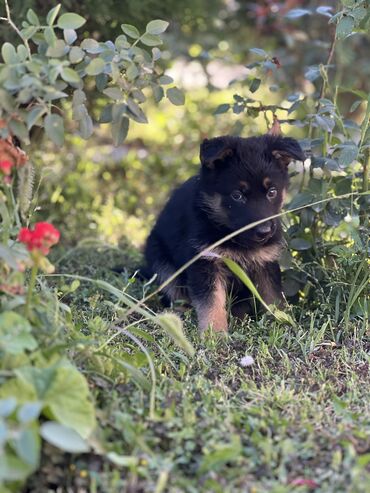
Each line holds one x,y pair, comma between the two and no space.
115,193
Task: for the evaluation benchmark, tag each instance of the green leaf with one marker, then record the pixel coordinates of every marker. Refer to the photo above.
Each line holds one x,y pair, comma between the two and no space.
130,31
164,80
32,18
254,85
135,112
175,96
122,460
222,108
95,67
58,50
34,116
345,27
91,46
28,446
70,21
106,114
157,26
151,39
348,154
29,411
243,276
70,36
63,437
76,55
158,93
300,244
29,32
355,105
70,75
120,130
50,36
20,130
172,325
67,398
23,389
7,406
53,14
223,454
8,53
54,128
113,93
132,72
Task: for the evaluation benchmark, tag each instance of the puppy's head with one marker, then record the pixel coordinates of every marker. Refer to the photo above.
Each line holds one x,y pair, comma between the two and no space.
245,180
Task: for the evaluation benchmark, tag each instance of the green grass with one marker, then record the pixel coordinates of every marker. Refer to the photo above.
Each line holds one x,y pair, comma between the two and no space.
300,411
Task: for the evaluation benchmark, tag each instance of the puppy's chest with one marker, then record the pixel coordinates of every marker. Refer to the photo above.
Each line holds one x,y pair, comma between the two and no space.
249,260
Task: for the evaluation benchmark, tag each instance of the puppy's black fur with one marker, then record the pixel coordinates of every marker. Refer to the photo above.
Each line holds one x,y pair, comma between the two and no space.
241,180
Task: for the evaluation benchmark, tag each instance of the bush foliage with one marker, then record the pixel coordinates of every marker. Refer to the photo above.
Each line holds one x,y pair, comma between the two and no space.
88,362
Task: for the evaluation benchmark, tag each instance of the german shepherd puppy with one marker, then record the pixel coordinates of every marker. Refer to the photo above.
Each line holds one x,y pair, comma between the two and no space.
241,180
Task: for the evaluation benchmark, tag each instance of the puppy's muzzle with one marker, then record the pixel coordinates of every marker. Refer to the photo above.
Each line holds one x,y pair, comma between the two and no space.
264,231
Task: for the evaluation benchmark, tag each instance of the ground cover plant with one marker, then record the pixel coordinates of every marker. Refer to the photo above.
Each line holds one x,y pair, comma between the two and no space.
100,389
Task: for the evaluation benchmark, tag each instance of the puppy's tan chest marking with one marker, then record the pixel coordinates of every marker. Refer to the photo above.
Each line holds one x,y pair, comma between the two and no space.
251,257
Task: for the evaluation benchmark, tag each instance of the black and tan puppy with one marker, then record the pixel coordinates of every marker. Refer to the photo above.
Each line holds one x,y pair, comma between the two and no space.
241,180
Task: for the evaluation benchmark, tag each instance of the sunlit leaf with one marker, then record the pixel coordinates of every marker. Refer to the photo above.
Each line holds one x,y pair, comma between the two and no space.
156,26
63,437
70,21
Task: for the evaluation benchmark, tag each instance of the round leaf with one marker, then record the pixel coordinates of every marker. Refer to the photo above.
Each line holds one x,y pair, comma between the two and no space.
95,67
63,437
157,26
130,31
70,21
70,75
300,244
175,96
150,39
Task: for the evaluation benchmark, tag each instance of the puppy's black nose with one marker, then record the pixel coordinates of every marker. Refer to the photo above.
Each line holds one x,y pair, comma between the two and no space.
264,230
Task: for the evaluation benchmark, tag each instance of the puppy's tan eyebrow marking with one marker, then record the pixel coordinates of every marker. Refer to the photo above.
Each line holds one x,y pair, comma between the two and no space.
244,185
266,182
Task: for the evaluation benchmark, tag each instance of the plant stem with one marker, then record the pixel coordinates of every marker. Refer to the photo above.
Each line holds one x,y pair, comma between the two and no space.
31,288
8,19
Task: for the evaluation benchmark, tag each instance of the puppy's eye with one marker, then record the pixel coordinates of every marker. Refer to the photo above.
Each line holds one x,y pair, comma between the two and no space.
237,196
271,193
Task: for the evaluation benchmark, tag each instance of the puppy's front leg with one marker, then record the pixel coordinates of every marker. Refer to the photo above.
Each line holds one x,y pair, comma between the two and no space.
208,294
268,284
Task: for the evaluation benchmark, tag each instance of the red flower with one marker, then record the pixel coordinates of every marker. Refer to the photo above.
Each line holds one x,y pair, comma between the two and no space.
6,167
41,238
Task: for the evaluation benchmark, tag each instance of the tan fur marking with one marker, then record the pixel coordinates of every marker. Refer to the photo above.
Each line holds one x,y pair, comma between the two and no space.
266,182
213,205
244,185
214,314
259,256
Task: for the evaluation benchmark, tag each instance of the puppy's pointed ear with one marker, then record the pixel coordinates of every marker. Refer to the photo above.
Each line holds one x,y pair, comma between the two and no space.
215,152
285,150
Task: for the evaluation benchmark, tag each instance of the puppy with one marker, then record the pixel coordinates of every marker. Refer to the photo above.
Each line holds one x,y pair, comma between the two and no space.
240,181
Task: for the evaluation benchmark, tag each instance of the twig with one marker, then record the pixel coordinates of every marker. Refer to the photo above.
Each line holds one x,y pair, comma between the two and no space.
8,19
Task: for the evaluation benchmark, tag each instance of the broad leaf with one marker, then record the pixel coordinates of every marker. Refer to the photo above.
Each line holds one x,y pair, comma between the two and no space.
130,31
175,96
15,334
70,21
156,27
63,437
